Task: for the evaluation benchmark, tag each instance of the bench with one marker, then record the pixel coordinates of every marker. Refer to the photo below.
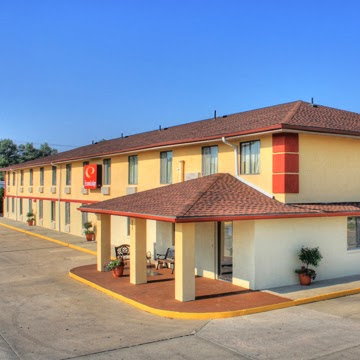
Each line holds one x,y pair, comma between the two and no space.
167,259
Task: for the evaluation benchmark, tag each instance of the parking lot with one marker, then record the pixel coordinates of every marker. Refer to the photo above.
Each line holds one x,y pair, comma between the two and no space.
46,315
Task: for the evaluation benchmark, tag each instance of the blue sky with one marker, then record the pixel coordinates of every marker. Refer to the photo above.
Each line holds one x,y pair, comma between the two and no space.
73,71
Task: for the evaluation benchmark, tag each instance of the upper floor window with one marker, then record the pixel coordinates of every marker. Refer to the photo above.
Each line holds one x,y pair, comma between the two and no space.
133,170
41,176
84,164
68,174
8,178
166,167
209,160
21,177
107,171
353,233
31,177
13,182
250,157
53,175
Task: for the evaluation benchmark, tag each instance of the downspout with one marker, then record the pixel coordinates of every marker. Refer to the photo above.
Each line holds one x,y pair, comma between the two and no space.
237,170
59,191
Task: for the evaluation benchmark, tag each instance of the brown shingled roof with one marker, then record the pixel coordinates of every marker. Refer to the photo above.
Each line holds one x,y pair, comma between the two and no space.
296,115
214,197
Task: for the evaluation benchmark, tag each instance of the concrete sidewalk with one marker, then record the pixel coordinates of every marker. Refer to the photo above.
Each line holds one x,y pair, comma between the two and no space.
318,288
77,241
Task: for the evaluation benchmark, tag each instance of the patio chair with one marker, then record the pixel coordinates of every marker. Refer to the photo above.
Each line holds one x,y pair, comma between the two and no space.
122,251
167,259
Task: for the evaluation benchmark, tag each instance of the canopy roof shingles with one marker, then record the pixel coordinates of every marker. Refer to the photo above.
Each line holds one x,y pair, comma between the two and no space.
216,197
297,115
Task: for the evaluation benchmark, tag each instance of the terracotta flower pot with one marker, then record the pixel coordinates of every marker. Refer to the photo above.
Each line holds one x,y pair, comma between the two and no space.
118,272
89,237
30,222
304,279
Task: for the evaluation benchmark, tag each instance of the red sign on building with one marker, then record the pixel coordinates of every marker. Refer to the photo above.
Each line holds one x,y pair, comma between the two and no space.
91,176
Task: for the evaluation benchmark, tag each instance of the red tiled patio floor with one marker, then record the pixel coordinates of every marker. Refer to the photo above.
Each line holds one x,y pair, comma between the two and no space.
159,292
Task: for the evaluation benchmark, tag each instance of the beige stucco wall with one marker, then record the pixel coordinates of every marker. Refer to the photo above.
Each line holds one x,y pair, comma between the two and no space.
244,253
266,251
205,249
329,169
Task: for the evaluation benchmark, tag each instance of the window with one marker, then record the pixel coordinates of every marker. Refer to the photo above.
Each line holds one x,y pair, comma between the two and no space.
133,170
21,177
250,157
107,171
84,164
30,205
7,204
31,177
68,174
353,233
21,206
8,179
84,217
166,167
53,209
13,182
12,205
67,213
53,176
128,226
40,209
209,160
41,176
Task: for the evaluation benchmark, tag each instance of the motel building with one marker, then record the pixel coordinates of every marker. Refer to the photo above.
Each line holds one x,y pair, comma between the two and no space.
236,196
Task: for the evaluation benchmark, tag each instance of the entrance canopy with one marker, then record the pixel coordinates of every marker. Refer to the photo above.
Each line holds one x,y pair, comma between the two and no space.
218,197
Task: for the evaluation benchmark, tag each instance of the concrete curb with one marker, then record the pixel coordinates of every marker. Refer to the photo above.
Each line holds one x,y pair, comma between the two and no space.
59,242
215,315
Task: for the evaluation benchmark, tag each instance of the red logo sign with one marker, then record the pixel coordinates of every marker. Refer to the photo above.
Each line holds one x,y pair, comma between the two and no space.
90,176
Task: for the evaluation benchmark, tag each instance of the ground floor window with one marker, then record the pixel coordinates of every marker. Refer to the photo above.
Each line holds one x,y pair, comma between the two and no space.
40,209
7,204
67,213
128,226
53,211
30,205
353,233
84,217
21,206
13,205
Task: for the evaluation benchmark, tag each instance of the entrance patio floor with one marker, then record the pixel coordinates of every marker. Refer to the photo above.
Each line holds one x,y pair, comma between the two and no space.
159,292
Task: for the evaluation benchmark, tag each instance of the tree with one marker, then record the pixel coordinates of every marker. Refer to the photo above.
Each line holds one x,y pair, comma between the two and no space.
11,154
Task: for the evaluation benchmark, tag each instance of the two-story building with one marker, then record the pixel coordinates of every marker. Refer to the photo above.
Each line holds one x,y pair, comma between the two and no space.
248,190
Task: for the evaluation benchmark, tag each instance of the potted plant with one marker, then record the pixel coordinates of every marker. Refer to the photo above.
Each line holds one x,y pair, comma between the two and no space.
30,218
89,233
116,266
308,256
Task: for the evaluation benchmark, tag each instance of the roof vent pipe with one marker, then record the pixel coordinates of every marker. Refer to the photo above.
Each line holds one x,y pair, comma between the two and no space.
214,114
237,170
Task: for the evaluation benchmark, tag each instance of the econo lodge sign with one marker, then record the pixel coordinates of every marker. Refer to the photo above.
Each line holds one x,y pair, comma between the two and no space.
91,176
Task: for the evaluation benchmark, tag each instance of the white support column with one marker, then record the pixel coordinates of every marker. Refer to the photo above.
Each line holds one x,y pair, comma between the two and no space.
185,262
103,236
138,251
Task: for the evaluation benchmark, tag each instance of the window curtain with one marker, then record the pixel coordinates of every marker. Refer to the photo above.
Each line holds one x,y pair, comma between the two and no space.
133,170
209,160
166,167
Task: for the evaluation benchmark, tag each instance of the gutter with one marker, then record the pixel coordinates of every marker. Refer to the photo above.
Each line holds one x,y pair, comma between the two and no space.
237,170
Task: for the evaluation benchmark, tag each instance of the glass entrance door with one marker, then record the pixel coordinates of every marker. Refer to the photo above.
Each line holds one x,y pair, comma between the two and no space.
225,250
